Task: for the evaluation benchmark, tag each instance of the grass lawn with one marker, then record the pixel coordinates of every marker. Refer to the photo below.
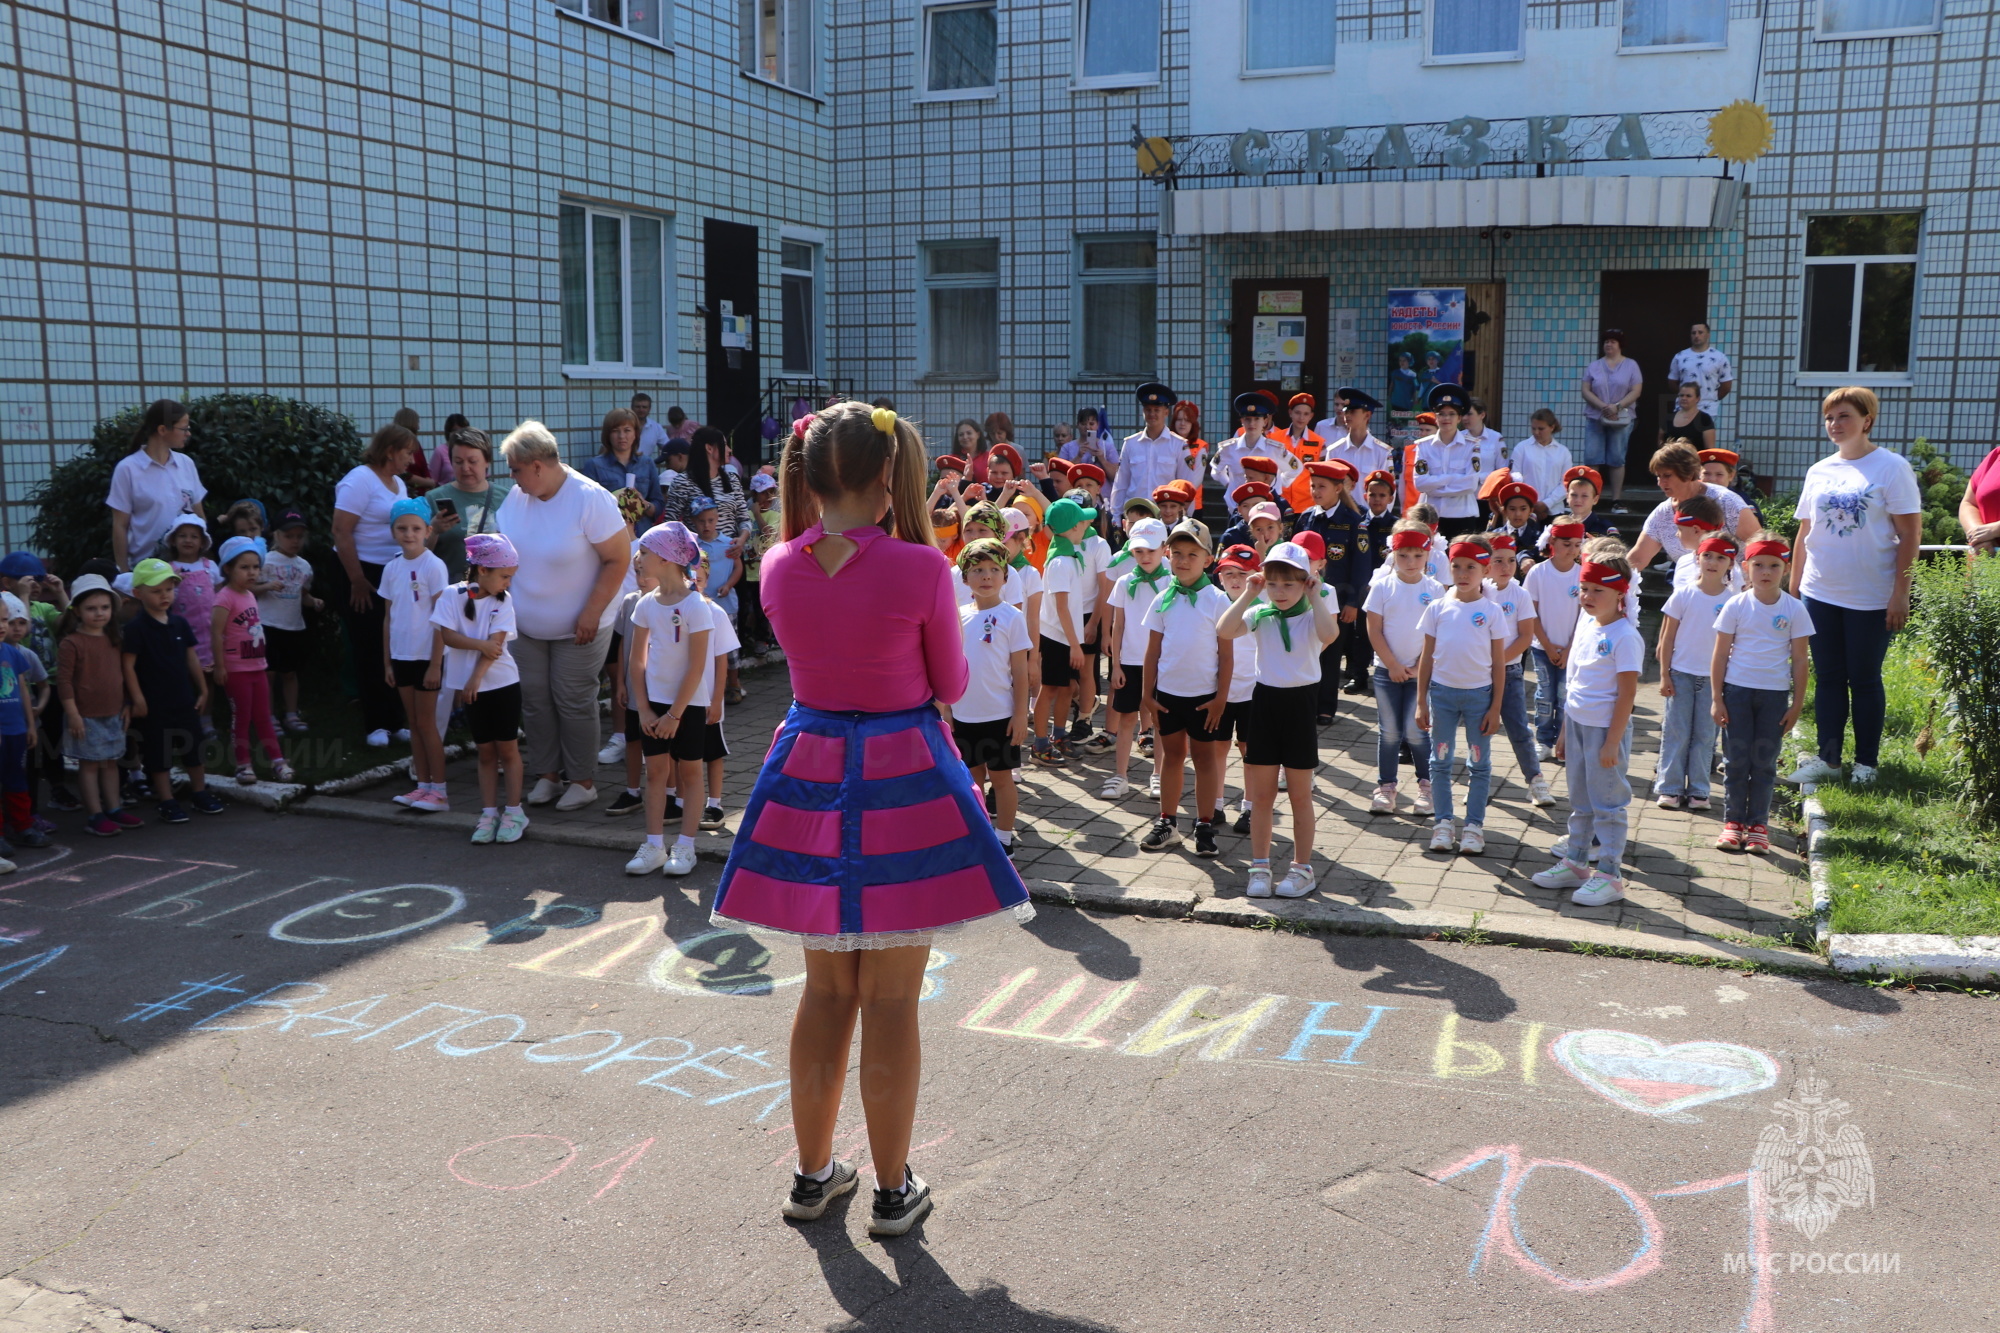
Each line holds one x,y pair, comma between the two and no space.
1904,859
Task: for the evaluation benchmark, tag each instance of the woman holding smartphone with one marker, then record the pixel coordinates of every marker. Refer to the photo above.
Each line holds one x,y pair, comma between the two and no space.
470,503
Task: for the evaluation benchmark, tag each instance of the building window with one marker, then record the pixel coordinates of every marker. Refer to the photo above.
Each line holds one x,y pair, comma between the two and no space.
1280,36
1665,25
777,41
1121,43
1861,287
961,48
616,270
641,18
1118,287
962,281
798,284
1875,18
1464,32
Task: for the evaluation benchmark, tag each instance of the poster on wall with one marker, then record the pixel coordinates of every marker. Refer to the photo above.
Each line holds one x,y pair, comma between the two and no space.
1426,347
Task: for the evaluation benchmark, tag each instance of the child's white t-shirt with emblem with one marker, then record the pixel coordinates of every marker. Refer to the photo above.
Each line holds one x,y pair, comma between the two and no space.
991,640
1465,633
1188,647
1558,598
1134,597
490,616
1401,606
670,631
1760,658
1598,655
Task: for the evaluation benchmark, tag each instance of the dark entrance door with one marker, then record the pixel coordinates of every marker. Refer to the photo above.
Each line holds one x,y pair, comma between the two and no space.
1277,341
1654,307
729,294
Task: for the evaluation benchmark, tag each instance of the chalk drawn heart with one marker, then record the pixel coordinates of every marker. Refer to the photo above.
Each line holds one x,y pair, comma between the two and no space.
1642,1075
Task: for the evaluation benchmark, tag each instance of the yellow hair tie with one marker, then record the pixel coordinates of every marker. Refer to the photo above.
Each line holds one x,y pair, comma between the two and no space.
885,420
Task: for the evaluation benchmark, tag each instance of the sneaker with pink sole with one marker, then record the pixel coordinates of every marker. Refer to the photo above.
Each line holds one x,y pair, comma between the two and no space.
429,803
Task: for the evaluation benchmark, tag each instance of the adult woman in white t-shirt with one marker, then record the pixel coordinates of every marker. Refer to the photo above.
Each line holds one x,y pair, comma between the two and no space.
1676,467
574,549
154,484
1860,518
362,540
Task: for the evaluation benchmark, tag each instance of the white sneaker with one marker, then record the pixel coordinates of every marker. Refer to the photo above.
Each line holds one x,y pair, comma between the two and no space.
1384,800
1260,883
1600,890
7,867
1813,769
1538,791
1544,752
680,861
1153,786
403,735
1423,805
1860,775
1564,874
614,749
646,860
577,797
1297,883
1115,788
1471,840
1441,836
378,738
544,791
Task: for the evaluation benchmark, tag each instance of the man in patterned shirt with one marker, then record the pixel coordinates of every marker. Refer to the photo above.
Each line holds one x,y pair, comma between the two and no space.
1704,365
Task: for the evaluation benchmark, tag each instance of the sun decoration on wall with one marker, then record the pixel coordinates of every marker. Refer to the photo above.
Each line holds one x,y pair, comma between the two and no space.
1740,132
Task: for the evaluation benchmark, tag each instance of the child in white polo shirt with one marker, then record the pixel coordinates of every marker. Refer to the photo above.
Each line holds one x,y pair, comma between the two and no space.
1395,610
990,720
1686,649
1136,582
1232,573
1462,678
1602,681
1188,671
1758,672
1289,628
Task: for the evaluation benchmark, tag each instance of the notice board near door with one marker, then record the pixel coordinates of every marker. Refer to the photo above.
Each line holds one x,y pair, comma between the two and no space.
1277,341
1654,308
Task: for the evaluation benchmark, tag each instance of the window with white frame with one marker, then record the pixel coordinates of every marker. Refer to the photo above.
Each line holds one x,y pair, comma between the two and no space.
1121,43
1118,288
641,18
798,289
1669,25
962,306
1280,36
777,41
1860,293
616,273
961,50
1875,18
1463,32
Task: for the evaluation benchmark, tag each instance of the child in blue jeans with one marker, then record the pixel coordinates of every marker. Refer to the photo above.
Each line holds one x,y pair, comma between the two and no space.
1395,610
1687,643
1758,673
1601,681
20,670
1511,596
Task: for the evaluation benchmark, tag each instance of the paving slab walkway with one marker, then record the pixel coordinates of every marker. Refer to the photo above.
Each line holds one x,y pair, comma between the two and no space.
1375,872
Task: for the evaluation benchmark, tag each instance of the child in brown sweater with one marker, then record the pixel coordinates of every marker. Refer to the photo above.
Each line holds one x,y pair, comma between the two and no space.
90,682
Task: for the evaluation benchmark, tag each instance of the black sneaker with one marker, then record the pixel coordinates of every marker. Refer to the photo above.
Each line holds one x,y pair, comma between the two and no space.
205,801
896,1211
1204,839
1161,836
63,800
1355,687
1242,824
1050,756
810,1198
673,809
992,802
171,812
624,803
711,816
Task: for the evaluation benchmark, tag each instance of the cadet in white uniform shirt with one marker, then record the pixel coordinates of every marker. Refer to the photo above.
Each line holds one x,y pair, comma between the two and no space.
1151,457
1446,468
1349,440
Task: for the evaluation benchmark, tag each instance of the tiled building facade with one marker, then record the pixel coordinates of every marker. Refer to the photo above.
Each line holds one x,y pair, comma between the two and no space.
371,205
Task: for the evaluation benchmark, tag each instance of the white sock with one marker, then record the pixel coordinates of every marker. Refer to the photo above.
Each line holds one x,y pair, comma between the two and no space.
514,810
670,791
1006,837
633,792
683,841
438,787
822,1175
490,812
656,839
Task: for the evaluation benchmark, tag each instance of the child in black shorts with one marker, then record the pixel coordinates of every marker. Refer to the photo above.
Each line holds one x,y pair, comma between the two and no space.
1187,683
168,691
990,720
475,619
671,634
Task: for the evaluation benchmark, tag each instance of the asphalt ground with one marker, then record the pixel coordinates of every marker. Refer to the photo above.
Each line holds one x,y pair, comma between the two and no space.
316,1075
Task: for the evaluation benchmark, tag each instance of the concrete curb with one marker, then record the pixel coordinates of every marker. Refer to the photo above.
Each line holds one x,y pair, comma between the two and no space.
709,846
1818,829
273,796
368,777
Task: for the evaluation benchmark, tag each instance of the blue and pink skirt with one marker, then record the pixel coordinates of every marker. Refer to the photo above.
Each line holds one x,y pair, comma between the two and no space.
864,831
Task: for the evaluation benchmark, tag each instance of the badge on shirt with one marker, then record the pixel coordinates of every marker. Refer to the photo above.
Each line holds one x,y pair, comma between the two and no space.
1423,599
1361,543
1479,620
1422,467
1781,623
1335,552
1604,646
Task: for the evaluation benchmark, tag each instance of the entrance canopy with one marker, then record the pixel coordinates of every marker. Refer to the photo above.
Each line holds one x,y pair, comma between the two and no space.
1552,201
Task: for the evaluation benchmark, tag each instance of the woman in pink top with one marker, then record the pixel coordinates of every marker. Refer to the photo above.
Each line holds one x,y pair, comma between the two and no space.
863,834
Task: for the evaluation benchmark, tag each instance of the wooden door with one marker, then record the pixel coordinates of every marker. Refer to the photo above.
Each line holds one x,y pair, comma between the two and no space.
1485,360
1275,315
1654,308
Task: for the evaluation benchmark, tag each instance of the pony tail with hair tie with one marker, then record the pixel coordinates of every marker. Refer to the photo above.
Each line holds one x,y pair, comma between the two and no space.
885,420
802,425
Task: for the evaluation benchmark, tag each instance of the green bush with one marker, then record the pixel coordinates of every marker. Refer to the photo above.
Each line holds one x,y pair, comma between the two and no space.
1776,511
1942,486
286,453
1957,623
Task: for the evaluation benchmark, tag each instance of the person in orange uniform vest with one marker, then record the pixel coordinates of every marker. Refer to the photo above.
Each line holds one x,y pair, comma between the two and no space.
1305,445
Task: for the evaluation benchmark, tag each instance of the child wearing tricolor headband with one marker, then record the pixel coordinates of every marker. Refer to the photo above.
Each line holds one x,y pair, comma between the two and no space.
1462,678
474,620
672,628
1289,629
1395,610
1602,681
1758,670
1695,519
1554,587
1506,592
1686,647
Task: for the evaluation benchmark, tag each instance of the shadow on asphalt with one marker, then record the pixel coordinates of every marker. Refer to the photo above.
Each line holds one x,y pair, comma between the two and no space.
1101,953
922,1297
1407,968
